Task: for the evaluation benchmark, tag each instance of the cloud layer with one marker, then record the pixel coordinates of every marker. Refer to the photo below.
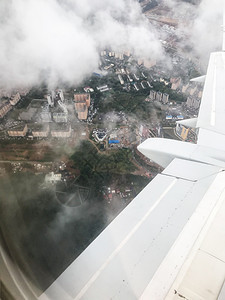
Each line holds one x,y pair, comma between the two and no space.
206,33
61,39
200,24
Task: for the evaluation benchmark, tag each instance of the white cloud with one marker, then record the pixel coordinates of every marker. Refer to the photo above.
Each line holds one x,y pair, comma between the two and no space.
201,25
63,38
207,32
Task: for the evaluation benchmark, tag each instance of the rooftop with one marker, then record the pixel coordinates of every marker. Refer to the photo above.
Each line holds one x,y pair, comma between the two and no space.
19,127
81,97
59,127
38,127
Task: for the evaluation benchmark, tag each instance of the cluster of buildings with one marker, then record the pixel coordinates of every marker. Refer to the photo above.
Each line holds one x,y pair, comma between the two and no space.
147,63
114,192
56,109
41,130
120,61
44,118
158,96
194,94
117,55
193,90
193,103
50,109
47,117
129,80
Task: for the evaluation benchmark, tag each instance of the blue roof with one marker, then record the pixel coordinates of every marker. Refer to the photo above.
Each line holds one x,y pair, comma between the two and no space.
114,141
97,74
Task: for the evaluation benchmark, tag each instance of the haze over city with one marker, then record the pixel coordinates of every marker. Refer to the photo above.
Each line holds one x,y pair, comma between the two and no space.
82,85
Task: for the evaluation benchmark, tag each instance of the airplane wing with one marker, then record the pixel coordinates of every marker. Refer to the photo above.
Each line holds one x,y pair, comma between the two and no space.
139,255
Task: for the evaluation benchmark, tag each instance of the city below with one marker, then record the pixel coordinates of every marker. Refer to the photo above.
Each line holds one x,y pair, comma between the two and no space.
68,154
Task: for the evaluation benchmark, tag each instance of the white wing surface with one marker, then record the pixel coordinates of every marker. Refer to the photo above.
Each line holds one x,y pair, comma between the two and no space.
139,255
211,119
